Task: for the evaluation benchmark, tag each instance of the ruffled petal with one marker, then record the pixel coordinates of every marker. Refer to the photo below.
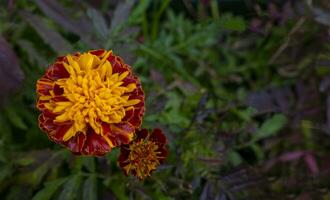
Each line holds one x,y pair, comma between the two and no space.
95,144
121,133
141,134
71,99
158,137
44,85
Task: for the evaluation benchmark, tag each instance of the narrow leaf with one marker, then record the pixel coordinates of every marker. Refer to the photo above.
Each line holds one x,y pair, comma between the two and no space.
51,37
49,190
90,188
271,126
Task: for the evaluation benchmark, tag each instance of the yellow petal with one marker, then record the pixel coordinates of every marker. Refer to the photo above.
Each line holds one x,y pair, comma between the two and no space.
123,75
69,134
132,102
86,61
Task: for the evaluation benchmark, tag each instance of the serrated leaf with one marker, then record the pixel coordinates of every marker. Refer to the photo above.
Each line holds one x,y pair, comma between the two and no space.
271,126
49,190
50,36
99,22
121,13
90,188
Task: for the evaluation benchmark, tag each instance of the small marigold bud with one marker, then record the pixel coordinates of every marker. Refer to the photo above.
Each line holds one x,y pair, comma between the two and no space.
144,154
90,102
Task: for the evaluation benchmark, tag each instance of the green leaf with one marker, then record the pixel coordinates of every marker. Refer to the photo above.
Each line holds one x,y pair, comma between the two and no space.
232,23
90,188
71,188
25,161
140,9
39,173
271,126
234,158
89,163
49,190
14,118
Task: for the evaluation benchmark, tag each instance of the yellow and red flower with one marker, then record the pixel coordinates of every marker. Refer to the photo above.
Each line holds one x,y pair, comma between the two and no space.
90,102
144,154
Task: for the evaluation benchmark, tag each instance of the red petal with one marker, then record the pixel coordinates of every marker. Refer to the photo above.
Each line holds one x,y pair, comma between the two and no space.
44,85
123,157
130,79
75,144
106,128
128,115
61,59
157,136
57,135
121,133
136,120
141,134
57,71
117,64
95,144
46,123
58,90
98,52
163,154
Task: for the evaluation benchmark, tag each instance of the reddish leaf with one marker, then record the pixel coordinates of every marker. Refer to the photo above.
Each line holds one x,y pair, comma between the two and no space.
61,15
11,74
51,37
311,163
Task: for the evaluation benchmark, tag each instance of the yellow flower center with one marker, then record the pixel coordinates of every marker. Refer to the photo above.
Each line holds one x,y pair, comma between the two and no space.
95,95
143,158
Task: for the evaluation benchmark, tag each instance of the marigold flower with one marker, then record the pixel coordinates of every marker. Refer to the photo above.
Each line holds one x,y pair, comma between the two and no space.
144,154
90,102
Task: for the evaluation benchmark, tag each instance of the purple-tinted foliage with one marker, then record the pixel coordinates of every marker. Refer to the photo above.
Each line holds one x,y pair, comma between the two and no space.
11,74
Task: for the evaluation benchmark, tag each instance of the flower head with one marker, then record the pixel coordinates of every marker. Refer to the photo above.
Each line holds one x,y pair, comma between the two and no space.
90,102
144,154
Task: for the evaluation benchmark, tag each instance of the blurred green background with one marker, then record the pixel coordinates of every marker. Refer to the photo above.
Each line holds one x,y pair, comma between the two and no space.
240,87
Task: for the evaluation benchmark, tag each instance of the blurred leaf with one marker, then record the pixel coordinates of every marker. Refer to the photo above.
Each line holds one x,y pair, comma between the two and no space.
232,23
137,14
15,118
271,126
121,14
321,16
39,173
71,188
90,188
49,189
61,16
89,163
51,37
11,74
33,54
99,22
25,161
311,163
234,158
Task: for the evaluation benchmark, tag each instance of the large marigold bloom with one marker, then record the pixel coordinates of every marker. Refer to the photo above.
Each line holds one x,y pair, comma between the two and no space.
144,154
90,102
